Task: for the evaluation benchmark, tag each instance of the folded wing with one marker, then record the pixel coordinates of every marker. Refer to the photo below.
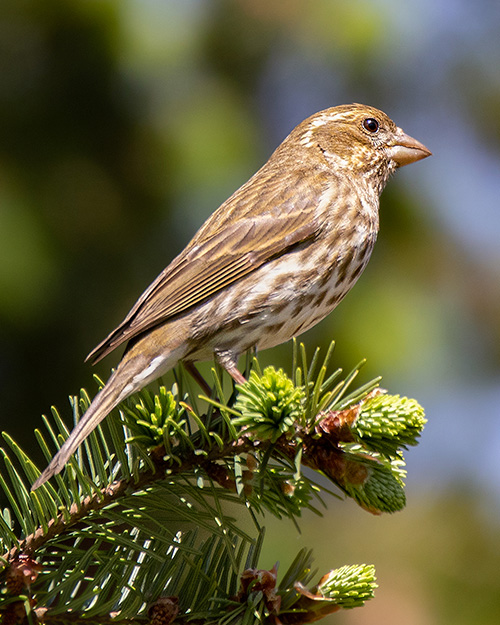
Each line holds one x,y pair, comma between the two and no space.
212,262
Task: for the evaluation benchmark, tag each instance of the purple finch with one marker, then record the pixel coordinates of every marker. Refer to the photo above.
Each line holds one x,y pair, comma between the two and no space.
271,262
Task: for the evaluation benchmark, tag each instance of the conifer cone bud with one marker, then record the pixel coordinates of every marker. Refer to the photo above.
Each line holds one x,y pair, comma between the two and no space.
164,611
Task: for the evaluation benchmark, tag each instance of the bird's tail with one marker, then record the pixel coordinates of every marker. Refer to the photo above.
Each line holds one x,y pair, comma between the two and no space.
108,398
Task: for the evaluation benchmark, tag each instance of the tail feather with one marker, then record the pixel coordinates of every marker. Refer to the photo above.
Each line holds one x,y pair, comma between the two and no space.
143,362
107,399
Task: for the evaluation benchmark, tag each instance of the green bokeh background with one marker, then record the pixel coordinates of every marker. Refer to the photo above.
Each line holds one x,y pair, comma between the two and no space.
124,124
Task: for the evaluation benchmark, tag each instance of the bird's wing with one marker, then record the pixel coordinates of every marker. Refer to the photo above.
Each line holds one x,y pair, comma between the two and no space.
211,263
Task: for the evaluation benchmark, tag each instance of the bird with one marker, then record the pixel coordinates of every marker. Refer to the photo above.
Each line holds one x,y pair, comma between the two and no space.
271,262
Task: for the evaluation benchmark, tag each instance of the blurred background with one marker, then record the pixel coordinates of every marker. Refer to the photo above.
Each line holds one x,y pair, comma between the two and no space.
124,124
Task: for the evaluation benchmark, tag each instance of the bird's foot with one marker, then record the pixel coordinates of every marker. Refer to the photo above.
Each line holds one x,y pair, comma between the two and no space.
227,360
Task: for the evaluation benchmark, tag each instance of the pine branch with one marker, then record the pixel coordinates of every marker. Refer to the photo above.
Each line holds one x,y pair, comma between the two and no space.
162,466
105,497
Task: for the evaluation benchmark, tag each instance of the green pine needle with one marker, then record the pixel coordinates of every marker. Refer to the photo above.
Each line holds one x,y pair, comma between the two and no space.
152,418
377,486
269,404
388,423
349,586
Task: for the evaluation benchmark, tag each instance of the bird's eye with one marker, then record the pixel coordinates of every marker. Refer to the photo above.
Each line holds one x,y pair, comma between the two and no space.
371,124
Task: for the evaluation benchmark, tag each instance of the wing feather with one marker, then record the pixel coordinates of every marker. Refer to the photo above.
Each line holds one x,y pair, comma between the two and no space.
249,231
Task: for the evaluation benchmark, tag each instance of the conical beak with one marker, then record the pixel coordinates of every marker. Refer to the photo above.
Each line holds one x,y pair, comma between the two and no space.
405,149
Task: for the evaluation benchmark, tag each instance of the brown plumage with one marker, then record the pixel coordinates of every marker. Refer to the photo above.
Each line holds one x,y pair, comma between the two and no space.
271,262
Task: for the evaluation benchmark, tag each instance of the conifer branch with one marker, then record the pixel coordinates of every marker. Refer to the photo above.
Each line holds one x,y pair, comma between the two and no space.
118,509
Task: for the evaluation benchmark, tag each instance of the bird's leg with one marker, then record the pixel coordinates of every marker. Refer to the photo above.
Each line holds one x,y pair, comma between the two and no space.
196,375
227,360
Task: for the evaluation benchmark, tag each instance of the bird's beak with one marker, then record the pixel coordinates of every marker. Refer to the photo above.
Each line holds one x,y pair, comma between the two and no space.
404,149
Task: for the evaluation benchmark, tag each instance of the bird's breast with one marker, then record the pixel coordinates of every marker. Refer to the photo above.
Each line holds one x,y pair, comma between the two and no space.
291,293
287,295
